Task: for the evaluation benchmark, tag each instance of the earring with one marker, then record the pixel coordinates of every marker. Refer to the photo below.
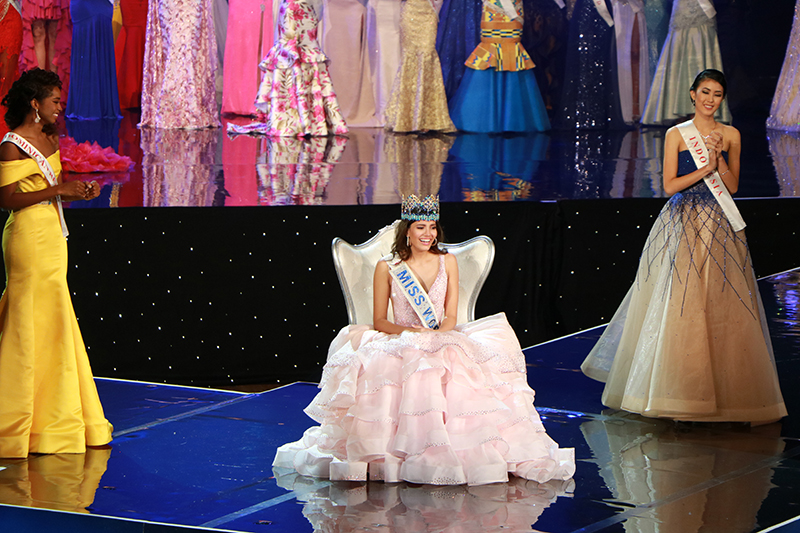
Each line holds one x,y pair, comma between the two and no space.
37,119
692,99
408,241
435,241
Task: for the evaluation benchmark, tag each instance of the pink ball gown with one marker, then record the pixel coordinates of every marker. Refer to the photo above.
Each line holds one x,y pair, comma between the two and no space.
440,408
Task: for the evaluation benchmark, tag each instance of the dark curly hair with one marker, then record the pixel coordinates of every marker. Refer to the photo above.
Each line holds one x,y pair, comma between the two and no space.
402,250
33,84
711,74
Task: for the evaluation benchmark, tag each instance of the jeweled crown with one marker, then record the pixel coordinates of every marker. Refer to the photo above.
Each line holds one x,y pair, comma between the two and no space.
416,208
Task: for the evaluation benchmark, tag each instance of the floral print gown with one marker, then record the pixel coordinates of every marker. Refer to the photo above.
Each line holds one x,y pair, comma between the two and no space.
296,93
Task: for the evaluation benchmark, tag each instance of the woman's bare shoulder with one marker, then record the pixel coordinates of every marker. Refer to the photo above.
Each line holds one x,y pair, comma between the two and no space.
381,267
731,133
9,152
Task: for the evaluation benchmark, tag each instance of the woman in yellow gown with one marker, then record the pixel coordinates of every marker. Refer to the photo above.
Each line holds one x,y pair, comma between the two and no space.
48,399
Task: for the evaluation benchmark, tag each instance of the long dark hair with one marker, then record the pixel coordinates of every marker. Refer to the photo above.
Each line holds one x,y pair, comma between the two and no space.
711,74
402,250
33,84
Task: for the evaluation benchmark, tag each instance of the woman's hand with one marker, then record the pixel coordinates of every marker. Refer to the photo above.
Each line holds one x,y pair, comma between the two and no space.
74,190
712,161
71,191
714,142
93,190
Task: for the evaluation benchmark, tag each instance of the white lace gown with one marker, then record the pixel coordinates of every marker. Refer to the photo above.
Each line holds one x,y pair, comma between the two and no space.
435,408
691,47
785,111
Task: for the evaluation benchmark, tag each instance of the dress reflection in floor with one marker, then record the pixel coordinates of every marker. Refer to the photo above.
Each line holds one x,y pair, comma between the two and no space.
295,171
400,507
178,167
785,150
62,481
645,463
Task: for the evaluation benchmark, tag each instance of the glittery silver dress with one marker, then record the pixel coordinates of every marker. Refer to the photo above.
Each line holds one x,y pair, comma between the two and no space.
785,112
691,46
690,341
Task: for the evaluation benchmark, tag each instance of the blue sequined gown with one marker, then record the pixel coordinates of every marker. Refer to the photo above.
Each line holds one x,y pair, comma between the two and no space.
590,99
690,341
93,82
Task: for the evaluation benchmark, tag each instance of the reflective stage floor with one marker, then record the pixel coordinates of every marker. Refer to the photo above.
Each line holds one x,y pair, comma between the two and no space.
200,458
370,166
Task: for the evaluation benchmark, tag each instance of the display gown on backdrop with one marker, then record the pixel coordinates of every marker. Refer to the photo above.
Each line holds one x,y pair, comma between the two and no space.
48,399
10,47
656,14
691,47
785,111
57,13
499,92
690,341
251,27
93,84
349,55
458,34
590,99
418,101
129,52
180,65
633,63
296,92
440,408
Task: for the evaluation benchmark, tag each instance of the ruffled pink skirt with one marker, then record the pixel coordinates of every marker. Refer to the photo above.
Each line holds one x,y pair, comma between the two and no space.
433,408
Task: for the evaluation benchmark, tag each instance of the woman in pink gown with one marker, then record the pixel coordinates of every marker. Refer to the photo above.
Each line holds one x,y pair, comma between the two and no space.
425,402
180,65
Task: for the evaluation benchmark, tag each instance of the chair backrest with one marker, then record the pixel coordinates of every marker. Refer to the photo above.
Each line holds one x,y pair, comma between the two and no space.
355,267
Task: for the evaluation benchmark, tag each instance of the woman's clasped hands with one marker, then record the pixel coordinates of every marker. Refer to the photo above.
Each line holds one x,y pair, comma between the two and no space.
79,190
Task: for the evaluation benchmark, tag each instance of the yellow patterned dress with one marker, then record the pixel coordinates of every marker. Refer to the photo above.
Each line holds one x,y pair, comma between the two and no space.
418,101
499,92
501,40
48,399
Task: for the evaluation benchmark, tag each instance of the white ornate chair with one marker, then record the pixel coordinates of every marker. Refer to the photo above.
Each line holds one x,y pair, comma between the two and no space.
355,266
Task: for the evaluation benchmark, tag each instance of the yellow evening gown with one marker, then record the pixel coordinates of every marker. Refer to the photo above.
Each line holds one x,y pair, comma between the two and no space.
418,101
48,399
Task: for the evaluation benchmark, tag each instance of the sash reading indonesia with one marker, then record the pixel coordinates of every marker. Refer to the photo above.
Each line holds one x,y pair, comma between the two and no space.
697,149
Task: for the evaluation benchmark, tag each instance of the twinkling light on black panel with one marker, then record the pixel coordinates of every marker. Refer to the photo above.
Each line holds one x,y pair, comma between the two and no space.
215,296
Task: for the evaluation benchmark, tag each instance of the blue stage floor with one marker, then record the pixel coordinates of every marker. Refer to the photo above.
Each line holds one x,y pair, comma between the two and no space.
199,459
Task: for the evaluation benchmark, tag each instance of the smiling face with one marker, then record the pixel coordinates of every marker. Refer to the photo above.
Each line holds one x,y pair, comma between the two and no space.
708,97
421,235
49,107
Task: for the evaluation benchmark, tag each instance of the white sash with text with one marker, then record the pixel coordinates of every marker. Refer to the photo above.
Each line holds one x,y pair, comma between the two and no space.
697,148
413,291
44,165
